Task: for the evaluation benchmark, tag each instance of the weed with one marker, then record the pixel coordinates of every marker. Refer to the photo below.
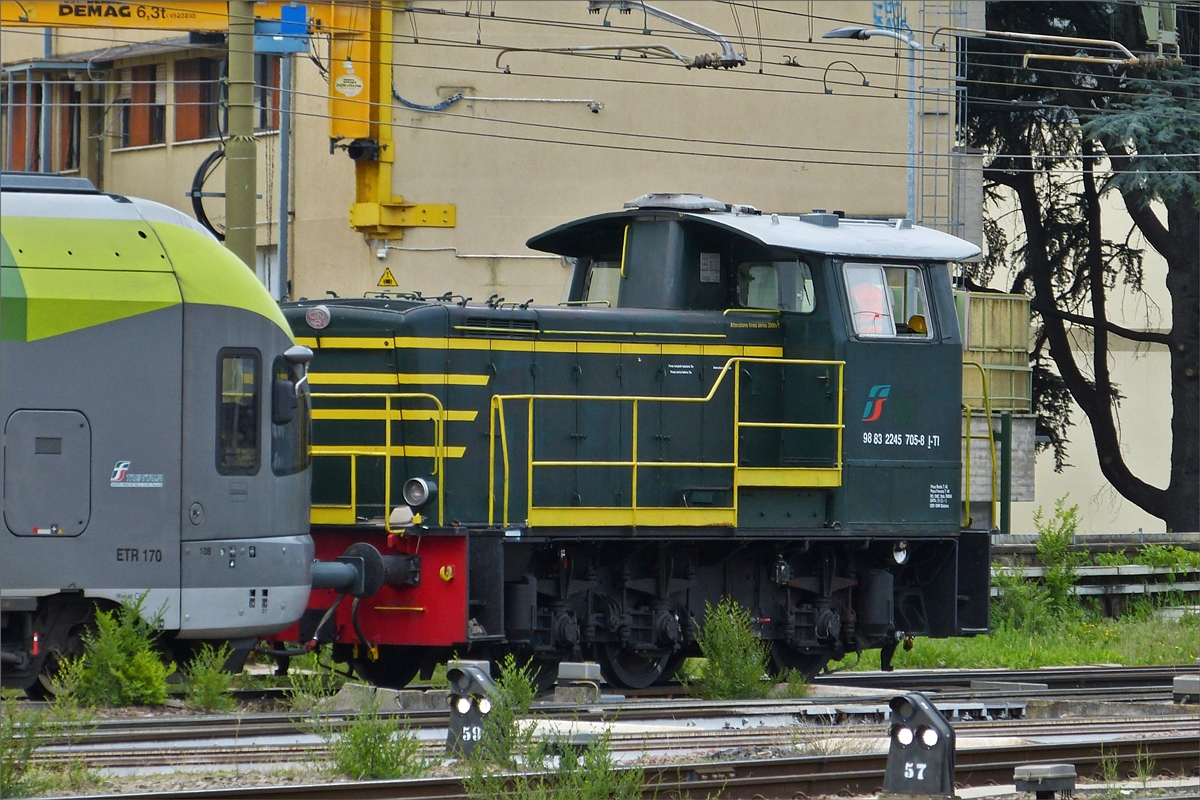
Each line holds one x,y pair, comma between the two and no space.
736,659
19,729
373,747
208,682
1109,766
1055,536
311,682
794,686
1144,765
506,742
820,740
438,679
119,666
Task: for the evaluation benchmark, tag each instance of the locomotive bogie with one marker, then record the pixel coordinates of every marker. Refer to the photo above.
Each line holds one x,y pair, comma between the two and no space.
137,357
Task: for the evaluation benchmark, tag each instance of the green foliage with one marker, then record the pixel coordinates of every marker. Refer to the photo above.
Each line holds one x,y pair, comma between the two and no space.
506,741
374,747
736,659
19,729
508,745
1176,558
1130,641
208,682
120,666
311,682
1055,536
794,687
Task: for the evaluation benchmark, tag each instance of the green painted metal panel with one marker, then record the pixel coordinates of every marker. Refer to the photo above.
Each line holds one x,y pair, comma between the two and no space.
84,244
12,303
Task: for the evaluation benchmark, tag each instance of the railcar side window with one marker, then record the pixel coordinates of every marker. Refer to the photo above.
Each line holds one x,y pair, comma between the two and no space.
238,403
289,441
603,283
785,285
887,301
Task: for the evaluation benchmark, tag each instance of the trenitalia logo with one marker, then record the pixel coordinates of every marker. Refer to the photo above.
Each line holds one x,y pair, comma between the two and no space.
875,401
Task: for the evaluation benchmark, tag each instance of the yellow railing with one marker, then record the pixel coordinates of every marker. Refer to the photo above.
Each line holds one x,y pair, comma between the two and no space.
633,514
345,514
987,404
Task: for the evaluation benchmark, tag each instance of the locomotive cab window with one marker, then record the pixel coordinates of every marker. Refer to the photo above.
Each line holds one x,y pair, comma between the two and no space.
238,403
290,426
887,301
783,285
602,283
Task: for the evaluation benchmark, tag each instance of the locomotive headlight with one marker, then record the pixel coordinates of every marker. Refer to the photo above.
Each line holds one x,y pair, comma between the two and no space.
903,735
929,737
485,705
317,317
462,705
419,491
900,552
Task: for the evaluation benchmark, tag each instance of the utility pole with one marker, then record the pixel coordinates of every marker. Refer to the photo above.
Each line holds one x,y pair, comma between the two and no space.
44,156
241,169
279,288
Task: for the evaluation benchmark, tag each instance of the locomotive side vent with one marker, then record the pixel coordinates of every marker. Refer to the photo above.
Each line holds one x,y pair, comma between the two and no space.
501,327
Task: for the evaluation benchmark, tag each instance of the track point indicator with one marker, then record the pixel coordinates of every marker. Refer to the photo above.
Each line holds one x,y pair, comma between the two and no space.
387,279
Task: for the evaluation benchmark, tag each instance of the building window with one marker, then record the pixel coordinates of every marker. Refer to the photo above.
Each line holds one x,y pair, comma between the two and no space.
24,128
198,94
266,93
69,123
142,98
237,412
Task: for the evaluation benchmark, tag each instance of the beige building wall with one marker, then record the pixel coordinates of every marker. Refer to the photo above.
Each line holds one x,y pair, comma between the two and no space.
1142,374
794,129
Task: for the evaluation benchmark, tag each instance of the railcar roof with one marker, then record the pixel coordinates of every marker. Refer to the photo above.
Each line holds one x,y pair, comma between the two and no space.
815,233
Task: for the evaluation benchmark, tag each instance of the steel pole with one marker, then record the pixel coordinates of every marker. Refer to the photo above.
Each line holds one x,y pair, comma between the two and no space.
47,51
280,289
912,134
241,169
1006,472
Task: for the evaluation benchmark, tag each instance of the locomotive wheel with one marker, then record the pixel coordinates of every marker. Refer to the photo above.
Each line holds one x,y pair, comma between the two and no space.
629,669
785,658
394,669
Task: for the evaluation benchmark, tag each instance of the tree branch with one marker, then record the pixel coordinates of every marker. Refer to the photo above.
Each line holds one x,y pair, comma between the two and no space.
1138,206
1124,333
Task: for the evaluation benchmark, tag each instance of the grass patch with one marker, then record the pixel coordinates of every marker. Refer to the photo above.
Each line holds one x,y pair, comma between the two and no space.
1129,642
311,681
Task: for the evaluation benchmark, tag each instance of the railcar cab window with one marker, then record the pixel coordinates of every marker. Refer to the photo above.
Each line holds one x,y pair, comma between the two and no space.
783,285
602,283
887,301
290,426
238,403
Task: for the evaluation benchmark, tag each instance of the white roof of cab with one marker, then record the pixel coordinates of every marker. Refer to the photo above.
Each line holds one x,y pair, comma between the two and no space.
817,232
825,233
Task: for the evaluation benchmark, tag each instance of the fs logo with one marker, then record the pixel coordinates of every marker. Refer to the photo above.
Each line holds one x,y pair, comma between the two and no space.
120,470
875,400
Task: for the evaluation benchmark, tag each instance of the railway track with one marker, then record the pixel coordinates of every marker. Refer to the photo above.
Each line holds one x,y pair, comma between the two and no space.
774,777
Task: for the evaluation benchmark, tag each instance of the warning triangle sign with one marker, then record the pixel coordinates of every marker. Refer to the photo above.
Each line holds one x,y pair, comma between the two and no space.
387,279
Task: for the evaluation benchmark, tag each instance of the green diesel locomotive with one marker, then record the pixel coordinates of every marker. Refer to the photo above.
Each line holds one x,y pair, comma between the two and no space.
727,403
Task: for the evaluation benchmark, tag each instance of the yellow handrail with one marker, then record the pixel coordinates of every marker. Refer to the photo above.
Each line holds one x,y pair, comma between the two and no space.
388,414
496,412
987,402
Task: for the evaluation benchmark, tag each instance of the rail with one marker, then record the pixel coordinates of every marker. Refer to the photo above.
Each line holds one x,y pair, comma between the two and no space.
339,514
991,437
633,514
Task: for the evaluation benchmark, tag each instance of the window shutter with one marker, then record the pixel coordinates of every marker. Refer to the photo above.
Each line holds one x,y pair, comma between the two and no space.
124,87
160,84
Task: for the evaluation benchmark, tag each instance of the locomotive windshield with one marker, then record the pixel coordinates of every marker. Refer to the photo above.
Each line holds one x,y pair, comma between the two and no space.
237,412
785,285
602,283
887,301
290,440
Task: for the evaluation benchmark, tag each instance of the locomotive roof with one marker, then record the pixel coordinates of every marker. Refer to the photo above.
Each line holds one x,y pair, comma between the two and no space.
815,233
